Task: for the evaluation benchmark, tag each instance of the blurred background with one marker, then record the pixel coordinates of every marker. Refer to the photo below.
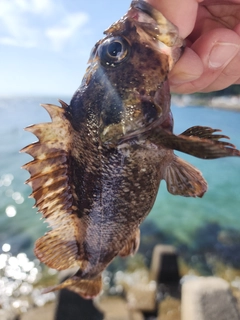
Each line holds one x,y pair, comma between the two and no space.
44,48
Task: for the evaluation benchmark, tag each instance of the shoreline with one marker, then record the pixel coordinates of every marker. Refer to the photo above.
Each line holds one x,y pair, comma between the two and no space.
231,103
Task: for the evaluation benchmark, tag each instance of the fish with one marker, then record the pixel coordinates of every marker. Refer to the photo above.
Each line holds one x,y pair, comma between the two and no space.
97,166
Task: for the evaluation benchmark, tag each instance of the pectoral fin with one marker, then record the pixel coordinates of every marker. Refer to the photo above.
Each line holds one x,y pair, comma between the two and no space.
197,141
184,179
205,133
86,288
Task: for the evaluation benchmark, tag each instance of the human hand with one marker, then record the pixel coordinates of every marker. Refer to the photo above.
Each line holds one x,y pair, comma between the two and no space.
211,60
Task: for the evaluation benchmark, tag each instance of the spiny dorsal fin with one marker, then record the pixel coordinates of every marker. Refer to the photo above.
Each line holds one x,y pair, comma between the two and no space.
51,189
63,104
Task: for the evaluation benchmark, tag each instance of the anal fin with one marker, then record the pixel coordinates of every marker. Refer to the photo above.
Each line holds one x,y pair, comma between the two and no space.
184,179
86,288
132,245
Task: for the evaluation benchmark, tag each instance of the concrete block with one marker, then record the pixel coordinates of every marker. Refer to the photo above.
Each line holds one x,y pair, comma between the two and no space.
164,265
8,315
113,308
142,297
46,312
70,305
169,309
208,298
136,315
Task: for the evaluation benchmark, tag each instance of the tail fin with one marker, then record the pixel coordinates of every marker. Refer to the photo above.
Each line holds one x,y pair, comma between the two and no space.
86,288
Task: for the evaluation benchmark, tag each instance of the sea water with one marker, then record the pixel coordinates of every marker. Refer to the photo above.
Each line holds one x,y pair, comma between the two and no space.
188,223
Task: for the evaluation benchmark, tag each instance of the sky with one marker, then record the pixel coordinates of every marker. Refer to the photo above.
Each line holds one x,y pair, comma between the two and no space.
45,44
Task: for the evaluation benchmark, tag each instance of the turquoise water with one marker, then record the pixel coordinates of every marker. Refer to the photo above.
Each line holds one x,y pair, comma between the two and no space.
178,218
221,204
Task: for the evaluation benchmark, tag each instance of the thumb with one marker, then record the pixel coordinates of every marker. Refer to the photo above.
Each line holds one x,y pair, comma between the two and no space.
216,65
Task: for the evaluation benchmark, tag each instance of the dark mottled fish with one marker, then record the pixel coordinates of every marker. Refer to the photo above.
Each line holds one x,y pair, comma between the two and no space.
97,166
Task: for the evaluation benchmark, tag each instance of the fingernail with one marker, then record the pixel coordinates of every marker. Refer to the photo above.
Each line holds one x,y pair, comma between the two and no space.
182,77
222,53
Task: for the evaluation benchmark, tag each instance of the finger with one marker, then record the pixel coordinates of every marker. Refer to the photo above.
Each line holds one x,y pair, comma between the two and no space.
228,76
188,68
181,13
237,30
219,51
209,2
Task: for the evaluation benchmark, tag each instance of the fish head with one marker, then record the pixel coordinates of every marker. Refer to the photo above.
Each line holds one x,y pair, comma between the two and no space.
131,65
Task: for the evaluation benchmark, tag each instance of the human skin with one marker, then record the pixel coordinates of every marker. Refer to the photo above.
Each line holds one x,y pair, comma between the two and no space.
211,60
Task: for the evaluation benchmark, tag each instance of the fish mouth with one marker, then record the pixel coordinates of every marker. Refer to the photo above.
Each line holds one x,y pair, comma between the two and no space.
154,23
156,30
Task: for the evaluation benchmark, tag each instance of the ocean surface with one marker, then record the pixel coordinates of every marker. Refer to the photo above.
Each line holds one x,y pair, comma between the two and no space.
211,223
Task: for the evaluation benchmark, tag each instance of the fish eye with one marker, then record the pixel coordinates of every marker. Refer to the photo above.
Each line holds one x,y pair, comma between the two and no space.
113,51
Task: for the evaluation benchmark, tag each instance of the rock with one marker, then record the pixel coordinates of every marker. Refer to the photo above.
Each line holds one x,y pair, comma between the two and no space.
208,298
